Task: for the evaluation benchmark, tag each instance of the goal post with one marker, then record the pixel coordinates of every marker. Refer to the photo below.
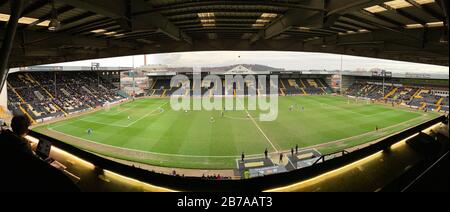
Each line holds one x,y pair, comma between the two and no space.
107,105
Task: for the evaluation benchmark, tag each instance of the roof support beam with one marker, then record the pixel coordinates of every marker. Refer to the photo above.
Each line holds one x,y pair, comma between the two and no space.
114,9
338,8
34,6
404,14
49,15
76,21
145,21
427,10
121,12
395,23
220,3
293,17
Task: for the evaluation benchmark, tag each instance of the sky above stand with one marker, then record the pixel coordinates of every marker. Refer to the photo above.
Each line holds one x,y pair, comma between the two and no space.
287,60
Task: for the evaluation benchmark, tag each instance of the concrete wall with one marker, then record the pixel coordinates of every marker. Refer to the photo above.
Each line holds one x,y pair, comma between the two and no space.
3,98
347,81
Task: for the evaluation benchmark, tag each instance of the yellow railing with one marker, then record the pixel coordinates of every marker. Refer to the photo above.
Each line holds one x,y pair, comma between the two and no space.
423,106
154,83
320,83
304,92
438,103
26,114
415,94
282,84
18,95
391,93
303,84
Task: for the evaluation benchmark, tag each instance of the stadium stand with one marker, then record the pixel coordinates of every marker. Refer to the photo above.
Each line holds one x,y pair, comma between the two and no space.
41,95
287,86
421,97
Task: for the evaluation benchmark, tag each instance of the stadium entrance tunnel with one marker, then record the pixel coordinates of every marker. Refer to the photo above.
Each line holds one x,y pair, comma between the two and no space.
405,154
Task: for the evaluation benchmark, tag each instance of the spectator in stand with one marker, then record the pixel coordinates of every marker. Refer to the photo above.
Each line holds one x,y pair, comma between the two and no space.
21,170
19,126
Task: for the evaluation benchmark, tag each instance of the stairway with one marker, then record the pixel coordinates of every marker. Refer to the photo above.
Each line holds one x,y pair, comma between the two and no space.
304,92
423,106
438,104
49,94
14,90
282,84
282,92
26,114
391,93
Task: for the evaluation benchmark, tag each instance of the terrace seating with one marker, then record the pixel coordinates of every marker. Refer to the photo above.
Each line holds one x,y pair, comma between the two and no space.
422,98
291,87
36,95
161,87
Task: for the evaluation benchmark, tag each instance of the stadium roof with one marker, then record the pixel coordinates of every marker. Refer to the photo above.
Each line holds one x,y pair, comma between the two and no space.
406,30
68,68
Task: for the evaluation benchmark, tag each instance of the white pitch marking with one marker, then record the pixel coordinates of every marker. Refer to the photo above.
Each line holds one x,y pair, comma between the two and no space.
259,128
146,114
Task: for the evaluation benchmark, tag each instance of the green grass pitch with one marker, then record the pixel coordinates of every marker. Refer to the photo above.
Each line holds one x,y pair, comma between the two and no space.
157,135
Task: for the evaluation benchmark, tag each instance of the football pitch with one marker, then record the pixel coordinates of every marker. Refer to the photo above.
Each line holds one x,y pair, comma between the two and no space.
149,131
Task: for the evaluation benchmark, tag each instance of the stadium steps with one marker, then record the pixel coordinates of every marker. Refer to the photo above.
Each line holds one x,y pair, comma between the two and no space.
391,93
303,84
27,114
282,84
324,91
46,91
153,92
304,92
14,90
282,92
164,93
153,85
30,79
319,82
312,82
438,103
423,106
416,93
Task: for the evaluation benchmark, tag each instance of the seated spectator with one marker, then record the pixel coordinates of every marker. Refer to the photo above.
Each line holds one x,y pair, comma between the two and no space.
21,170
16,140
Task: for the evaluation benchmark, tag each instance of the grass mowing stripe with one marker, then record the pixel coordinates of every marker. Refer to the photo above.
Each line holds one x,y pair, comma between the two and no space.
190,140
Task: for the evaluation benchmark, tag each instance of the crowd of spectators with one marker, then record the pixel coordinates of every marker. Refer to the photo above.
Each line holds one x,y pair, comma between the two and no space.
52,94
